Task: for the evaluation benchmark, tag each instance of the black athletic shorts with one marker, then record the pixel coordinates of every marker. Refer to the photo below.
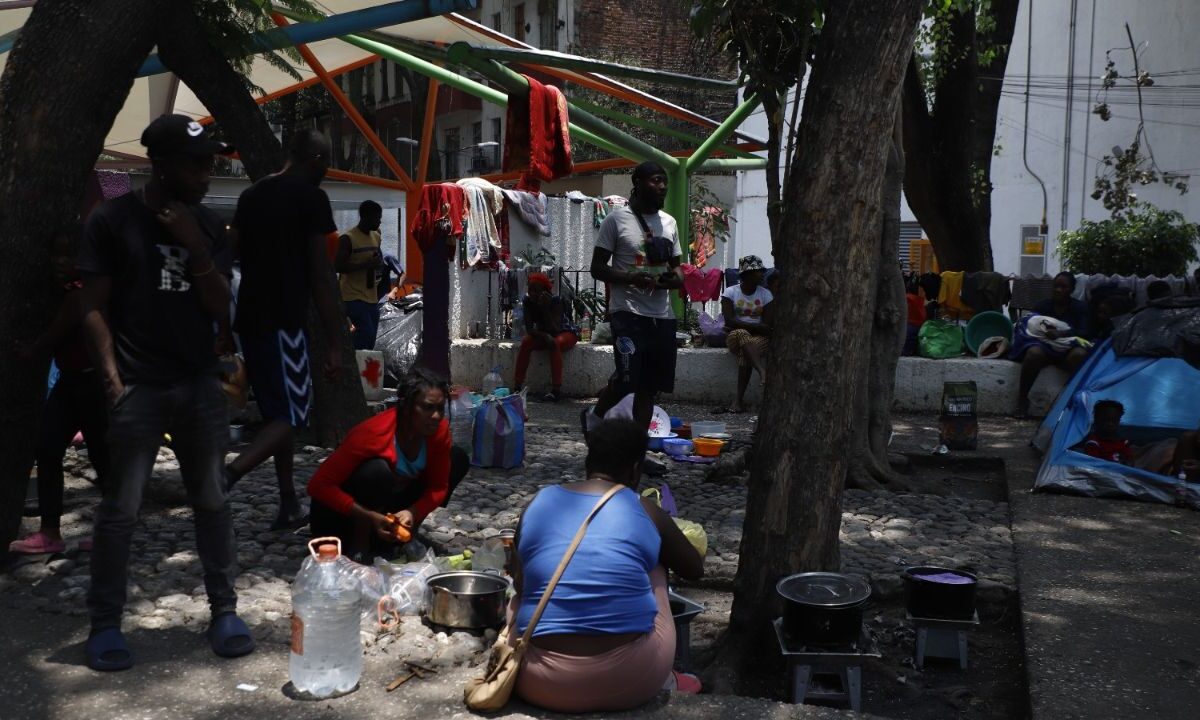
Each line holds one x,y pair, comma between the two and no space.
644,352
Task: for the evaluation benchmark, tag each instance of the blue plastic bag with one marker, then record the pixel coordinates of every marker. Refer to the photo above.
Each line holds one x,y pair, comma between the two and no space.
499,434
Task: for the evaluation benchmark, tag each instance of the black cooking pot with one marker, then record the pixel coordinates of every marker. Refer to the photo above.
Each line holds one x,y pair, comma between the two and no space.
941,593
823,609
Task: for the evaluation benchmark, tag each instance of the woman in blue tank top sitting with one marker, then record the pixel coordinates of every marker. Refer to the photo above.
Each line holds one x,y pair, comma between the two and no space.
606,640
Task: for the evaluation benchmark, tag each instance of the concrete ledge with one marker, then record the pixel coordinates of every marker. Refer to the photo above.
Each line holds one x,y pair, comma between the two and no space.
709,375
919,384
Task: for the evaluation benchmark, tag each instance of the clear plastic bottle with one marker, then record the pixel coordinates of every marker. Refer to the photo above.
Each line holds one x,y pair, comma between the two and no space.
326,655
492,380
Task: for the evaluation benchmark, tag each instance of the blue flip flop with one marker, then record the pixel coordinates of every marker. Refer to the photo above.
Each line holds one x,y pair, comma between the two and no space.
229,636
107,651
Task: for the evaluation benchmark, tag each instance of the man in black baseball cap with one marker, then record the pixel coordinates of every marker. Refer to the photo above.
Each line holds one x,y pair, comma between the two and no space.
155,301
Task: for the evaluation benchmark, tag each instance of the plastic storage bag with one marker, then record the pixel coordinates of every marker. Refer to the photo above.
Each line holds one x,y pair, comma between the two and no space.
939,339
498,438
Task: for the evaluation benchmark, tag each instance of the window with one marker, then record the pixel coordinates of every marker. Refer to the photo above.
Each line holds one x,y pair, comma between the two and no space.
548,24
451,152
477,134
519,22
385,91
496,23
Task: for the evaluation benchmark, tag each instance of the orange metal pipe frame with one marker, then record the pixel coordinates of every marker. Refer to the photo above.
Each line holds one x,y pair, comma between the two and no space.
413,257
348,107
365,179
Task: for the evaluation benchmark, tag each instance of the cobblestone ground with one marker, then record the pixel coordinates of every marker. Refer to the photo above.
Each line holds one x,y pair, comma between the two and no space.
881,533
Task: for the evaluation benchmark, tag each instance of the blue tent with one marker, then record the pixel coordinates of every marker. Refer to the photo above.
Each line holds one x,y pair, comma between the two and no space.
1161,396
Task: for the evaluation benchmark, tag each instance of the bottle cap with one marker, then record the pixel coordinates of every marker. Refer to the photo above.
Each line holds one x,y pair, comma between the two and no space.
327,552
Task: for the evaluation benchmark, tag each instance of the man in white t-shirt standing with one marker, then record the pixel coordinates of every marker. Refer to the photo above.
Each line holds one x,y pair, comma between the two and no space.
637,254
744,307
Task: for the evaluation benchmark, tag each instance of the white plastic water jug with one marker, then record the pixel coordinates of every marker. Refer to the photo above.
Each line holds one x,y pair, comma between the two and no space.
326,655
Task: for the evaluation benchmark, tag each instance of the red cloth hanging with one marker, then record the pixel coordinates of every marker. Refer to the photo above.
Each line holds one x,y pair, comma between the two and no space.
438,201
537,136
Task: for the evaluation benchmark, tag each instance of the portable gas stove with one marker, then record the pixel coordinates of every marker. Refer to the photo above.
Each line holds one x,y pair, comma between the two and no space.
809,667
939,638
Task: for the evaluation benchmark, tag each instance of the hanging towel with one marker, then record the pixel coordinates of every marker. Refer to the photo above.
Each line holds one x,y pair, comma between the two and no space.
701,285
439,202
616,200
493,194
481,234
531,206
537,138
985,291
950,297
600,210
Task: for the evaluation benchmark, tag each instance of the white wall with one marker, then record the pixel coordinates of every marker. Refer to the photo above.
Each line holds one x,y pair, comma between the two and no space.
752,232
1165,31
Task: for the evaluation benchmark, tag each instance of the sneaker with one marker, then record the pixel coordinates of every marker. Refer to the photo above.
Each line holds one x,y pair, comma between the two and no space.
553,397
36,544
685,683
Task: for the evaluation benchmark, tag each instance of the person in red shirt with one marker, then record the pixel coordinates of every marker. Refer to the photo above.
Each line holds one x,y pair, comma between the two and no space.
1104,441
399,462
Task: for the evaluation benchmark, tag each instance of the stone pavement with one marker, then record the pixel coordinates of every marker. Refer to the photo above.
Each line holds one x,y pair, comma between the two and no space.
1109,593
882,533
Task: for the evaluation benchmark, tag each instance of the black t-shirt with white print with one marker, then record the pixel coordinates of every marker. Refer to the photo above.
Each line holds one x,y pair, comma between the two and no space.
161,332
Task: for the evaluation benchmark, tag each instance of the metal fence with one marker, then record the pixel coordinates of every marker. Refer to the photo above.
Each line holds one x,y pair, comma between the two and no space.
585,299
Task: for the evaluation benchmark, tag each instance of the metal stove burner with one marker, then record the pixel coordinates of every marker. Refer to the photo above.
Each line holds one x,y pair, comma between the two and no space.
845,663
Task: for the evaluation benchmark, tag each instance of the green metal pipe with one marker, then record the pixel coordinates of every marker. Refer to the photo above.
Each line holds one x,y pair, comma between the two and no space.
458,82
462,53
548,58
727,126
611,114
757,163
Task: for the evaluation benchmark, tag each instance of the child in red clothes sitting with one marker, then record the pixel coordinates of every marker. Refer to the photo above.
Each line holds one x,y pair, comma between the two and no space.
1104,441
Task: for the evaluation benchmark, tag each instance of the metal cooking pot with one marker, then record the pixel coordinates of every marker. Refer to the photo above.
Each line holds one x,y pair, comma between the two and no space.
467,600
823,609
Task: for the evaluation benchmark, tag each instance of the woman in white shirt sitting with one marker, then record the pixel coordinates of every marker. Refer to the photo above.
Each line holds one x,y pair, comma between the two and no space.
744,307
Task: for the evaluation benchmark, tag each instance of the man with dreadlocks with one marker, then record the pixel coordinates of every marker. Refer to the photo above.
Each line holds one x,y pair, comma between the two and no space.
390,472
546,329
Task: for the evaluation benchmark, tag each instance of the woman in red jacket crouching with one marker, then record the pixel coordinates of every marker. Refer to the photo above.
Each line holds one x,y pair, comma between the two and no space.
399,462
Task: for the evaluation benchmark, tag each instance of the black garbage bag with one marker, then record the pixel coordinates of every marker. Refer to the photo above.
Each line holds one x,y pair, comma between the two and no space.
399,337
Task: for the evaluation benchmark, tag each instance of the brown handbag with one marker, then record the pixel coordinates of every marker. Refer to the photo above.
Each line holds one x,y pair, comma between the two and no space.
491,692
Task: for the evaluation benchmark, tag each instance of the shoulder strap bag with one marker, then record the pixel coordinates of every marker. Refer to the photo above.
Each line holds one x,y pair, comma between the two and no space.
491,692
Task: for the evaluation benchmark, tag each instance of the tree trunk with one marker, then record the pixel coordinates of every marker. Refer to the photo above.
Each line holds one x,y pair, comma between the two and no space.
185,49
869,463
338,404
56,108
949,148
828,249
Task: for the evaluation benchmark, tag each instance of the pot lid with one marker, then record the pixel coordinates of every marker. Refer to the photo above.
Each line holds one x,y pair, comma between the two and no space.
821,589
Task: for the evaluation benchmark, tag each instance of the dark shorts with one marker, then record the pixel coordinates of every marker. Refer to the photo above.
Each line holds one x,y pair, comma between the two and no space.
278,366
644,351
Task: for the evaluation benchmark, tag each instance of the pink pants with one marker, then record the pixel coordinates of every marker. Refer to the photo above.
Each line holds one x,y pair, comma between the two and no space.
620,679
563,342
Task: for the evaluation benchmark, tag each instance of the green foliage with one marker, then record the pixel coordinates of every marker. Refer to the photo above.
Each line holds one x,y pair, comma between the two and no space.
1143,241
769,38
940,49
708,213
233,25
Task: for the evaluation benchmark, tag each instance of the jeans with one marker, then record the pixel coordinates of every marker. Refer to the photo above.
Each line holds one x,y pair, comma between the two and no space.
365,317
194,411
76,403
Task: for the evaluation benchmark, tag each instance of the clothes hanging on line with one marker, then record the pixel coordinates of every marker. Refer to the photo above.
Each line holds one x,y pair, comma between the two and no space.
531,206
439,213
950,296
481,234
537,137
701,285
984,291
1030,290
